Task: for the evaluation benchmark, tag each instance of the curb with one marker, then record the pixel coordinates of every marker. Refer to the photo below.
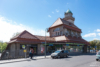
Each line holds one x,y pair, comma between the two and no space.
20,60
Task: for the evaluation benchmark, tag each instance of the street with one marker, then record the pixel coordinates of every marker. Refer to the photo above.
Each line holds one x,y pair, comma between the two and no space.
72,61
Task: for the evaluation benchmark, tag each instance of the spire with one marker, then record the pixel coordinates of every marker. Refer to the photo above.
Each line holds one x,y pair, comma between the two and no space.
68,16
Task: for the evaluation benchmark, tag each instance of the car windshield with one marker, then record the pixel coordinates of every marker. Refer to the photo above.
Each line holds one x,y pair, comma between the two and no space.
98,53
57,51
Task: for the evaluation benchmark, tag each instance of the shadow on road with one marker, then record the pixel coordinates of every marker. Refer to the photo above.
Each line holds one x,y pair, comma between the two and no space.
79,54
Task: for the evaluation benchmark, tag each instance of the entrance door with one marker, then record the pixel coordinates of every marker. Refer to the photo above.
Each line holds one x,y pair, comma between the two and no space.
34,48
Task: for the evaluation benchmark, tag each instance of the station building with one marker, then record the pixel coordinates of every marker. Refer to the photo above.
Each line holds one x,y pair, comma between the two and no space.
64,34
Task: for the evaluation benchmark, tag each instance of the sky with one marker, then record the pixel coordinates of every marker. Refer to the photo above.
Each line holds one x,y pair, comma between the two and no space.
37,15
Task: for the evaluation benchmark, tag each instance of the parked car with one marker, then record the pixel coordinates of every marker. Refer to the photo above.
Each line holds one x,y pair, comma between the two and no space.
60,53
98,56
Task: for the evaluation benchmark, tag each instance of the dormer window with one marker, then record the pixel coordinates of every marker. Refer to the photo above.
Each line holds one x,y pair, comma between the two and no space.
57,29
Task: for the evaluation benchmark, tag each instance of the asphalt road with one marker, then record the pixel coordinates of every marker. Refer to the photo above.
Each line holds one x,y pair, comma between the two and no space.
72,61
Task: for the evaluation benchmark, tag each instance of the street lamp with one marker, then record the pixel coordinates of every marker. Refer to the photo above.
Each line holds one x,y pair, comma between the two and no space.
45,40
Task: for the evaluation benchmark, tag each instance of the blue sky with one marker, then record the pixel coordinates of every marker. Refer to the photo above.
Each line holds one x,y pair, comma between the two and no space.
37,15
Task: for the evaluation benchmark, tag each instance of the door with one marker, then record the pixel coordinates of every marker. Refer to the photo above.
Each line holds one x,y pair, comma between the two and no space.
62,54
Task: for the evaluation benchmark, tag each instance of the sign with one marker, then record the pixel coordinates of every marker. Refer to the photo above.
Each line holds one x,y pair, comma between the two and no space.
77,45
24,51
43,42
50,44
67,44
95,46
23,46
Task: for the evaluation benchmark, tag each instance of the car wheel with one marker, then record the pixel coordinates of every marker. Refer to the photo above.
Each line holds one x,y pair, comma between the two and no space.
58,56
52,57
67,56
96,59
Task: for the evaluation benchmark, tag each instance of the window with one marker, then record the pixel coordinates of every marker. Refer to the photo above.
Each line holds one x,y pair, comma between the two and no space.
61,33
57,29
56,33
70,24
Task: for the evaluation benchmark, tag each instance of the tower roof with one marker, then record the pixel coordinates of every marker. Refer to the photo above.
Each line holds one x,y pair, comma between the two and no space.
68,11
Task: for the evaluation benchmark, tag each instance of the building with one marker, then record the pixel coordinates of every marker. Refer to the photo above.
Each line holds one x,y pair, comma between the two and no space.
64,34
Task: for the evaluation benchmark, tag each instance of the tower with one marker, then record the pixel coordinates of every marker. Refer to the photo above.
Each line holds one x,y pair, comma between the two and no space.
69,17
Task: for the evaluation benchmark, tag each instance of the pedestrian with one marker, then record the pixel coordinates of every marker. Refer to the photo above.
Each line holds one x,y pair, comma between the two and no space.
31,52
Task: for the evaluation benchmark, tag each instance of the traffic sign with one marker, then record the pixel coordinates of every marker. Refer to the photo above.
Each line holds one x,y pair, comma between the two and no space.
23,46
24,51
67,44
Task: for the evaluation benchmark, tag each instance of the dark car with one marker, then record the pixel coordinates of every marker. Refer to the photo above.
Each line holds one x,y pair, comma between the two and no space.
60,53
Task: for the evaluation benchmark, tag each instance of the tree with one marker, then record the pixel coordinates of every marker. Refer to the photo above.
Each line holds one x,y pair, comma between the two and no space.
3,46
95,43
15,34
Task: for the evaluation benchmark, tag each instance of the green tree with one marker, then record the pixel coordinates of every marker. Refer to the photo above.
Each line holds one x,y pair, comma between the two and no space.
95,43
3,46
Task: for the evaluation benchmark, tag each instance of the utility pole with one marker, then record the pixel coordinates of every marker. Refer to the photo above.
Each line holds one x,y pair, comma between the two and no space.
45,43
45,40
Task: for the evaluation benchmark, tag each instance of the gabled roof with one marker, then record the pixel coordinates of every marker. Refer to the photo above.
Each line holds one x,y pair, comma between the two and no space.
26,37
25,34
60,21
57,22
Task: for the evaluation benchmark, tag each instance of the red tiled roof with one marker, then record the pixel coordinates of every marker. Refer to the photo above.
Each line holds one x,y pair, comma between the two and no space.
72,28
25,34
26,37
43,38
75,40
66,24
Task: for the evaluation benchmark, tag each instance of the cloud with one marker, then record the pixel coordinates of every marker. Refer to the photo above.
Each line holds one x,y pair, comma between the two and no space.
57,10
53,12
49,15
90,35
95,39
98,30
9,27
99,34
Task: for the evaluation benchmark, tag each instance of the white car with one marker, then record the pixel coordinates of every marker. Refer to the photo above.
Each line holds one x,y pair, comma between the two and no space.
98,56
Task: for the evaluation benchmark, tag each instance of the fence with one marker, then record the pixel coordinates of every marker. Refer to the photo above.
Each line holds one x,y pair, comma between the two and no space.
14,54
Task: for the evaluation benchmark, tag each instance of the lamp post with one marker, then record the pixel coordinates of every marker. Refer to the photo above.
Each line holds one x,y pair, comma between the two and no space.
45,40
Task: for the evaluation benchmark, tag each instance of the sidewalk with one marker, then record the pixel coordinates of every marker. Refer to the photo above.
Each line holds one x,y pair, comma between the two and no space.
39,57
23,59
